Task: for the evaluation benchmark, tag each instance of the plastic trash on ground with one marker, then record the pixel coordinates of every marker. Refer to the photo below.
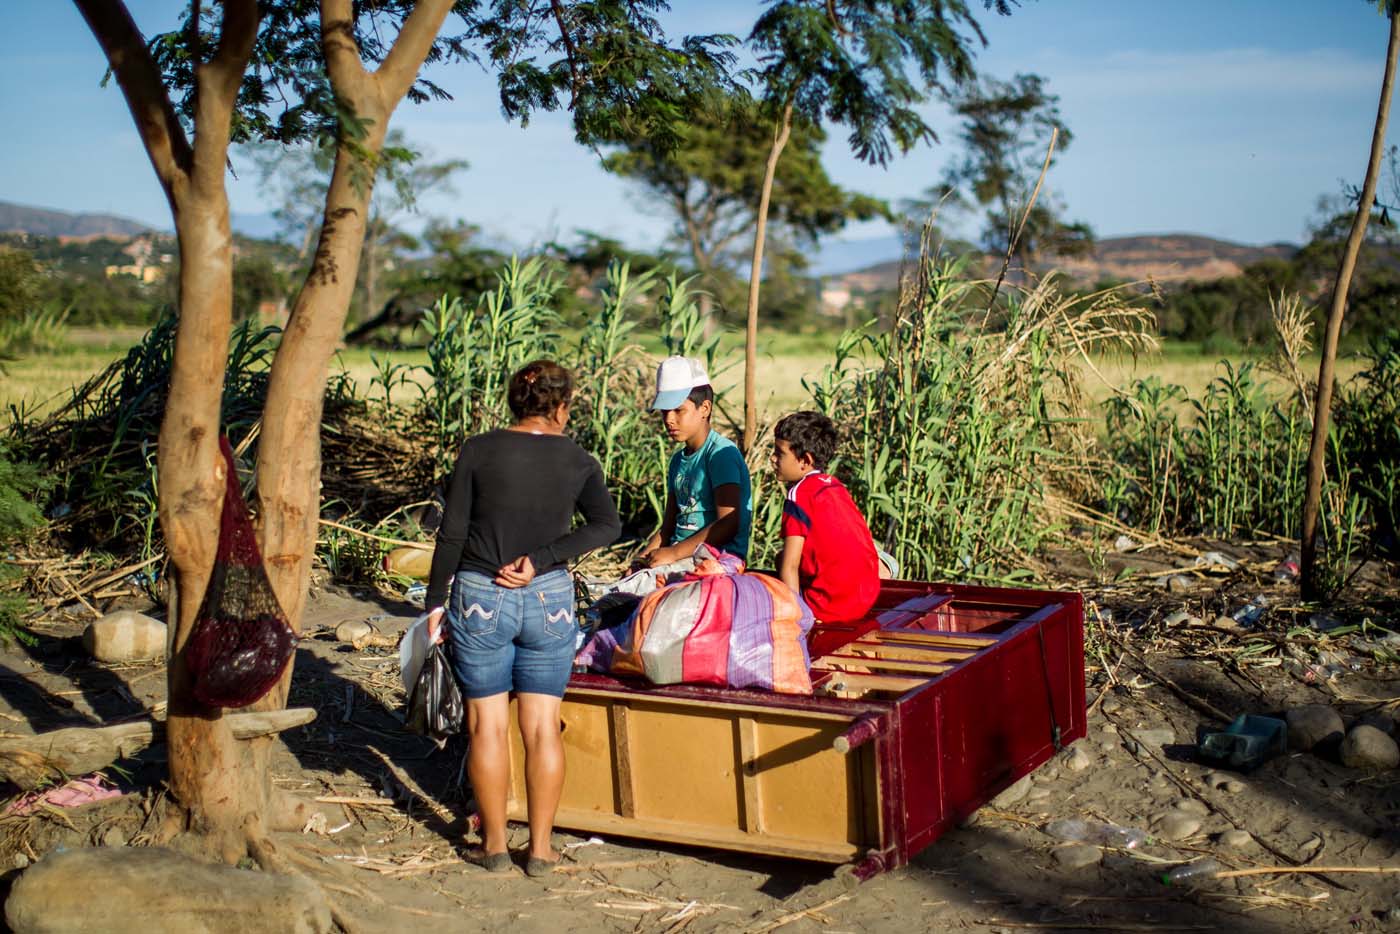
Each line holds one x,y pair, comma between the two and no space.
1247,743
435,707
1074,830
1198,870
71,794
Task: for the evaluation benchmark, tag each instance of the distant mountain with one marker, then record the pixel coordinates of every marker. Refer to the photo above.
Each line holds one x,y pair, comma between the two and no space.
19,218
1166,258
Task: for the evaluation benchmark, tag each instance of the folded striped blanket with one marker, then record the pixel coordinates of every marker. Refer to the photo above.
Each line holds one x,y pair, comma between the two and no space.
717,626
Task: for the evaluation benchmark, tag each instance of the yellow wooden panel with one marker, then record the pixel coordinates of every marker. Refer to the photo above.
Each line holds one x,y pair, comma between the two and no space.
807,790
683,765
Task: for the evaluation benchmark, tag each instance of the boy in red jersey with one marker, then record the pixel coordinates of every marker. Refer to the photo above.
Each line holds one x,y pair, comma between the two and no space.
828,554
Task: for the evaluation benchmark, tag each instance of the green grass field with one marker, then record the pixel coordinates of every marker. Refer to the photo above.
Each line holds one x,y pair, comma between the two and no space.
40,382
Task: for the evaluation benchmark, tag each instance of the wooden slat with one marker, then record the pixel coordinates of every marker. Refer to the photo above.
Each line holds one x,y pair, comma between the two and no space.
622,761
930,638
650,828
911,651
666,700
840,662
876,682
748,752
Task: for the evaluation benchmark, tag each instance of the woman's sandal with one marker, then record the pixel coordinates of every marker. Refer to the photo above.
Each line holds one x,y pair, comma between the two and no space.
535,867
491,862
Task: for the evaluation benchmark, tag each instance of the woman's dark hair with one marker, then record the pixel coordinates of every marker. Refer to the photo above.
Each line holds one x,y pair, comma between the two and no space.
702,394
539,388
808,434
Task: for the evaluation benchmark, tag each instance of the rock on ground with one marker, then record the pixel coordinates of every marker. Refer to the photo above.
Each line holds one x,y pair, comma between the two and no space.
1178,825
1366,747
1078,855
140,890
1013,793
125,636
1235,839
1077,760
1313,724
353,630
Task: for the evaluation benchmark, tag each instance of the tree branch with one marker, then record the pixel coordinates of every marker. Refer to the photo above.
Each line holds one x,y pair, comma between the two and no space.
570,51
338,39
399,69
145,93
218,82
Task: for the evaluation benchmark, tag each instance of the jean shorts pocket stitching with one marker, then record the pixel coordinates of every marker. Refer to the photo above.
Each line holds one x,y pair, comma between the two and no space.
558,622
478,609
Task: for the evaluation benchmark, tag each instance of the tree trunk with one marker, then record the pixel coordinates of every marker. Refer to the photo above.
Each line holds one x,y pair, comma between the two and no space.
780,138
1326,376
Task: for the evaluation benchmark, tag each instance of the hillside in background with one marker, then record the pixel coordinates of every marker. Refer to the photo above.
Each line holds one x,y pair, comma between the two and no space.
42,222
1166,258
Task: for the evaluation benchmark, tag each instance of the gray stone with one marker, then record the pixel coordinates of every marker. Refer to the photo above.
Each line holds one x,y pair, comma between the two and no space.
353,630
1312,724
1195,621
125,636
1158,738
1383,722
1078,855
1109,729
1234,786
1177,617
1077,760
114,836
1225,622
1177,825
1366,747
139,890
1013,793
1108,745
1236,839
1038,793
1112,706
1193,806
1215,779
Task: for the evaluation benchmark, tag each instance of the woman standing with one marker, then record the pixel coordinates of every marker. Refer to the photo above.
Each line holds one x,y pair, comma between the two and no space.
505,537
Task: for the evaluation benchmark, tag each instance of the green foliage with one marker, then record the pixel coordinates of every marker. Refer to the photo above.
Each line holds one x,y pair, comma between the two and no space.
20,284
959,426
1231,461
849,62
710,182
1005,129
22,486
1367,416
38,331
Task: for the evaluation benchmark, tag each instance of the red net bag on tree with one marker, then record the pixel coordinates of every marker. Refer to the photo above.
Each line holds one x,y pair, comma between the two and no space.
241,641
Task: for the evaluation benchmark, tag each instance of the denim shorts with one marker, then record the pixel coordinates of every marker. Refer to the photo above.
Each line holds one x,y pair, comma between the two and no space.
512,639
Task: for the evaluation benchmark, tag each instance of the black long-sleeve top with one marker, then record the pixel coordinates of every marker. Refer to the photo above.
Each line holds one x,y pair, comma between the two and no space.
515,493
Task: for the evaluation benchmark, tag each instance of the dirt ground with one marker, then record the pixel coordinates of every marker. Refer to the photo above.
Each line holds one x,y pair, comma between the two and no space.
393,859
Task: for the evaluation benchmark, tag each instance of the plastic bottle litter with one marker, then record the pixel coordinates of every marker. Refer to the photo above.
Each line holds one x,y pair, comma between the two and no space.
1196,870
1074,830
1287,569
1214,559
416,594
1249,614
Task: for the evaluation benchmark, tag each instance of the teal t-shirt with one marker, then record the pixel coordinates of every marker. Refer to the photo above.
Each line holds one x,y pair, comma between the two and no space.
692,478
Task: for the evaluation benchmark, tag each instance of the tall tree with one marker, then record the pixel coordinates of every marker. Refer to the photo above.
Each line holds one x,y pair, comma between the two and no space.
710,183
288,70
1327,370
296,179
849,62
1005,130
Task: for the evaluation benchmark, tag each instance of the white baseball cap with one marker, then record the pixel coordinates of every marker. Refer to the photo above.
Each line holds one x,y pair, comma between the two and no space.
675,378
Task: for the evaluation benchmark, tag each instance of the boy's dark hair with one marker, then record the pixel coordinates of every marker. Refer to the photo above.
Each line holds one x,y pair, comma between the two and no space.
539,388
808,434
702,394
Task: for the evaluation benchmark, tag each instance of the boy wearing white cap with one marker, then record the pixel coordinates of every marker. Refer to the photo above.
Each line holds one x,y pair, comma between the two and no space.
708,496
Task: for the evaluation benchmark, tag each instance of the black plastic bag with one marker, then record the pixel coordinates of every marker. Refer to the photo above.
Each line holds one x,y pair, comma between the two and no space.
435,707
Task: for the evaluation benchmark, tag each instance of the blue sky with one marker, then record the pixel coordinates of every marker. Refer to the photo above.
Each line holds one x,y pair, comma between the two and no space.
1222,117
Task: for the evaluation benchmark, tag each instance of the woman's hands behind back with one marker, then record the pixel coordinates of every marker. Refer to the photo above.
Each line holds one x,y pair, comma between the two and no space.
516,574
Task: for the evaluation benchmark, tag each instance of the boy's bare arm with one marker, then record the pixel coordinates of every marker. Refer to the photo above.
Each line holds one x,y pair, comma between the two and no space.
790,560
668,526
718,533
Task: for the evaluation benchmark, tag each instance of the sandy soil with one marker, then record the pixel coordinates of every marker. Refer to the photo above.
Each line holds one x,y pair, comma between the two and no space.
397,863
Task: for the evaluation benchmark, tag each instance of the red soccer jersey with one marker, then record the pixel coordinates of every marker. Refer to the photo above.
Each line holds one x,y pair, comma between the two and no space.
839,572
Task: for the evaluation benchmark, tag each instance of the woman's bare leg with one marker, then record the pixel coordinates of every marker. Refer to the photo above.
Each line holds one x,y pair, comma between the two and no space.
544,767
488,765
